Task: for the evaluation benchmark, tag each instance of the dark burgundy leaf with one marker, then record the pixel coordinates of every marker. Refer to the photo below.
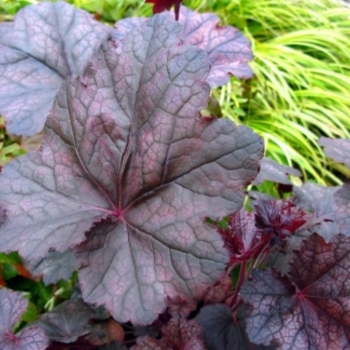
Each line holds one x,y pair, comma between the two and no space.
45,43
310,309
12,306
272,171
129,166
54,267
178,334
241,235
279,218
222,331
163,5
67,321
337,149
228,49
271,223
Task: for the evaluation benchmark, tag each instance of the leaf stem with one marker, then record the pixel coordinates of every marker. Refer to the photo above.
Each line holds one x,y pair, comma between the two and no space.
239,283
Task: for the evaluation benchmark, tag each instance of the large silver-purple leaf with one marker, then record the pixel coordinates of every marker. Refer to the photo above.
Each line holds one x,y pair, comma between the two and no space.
128,161
229,51
45,43
12,306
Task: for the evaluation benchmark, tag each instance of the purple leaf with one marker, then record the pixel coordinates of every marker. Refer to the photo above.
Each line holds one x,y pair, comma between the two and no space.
308,310
221,331
272,171
271,223
12,306
45,43
67,321
331,204
337,149
54,267
128,165
279,218
228,49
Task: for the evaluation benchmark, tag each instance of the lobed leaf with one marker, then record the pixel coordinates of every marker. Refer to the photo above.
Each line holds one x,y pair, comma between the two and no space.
332,204
67,321
309,309
127,173
45,44
12,306
228,49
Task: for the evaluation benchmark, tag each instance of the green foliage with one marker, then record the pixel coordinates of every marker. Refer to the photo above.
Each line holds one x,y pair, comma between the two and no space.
300,90
301,67
8,8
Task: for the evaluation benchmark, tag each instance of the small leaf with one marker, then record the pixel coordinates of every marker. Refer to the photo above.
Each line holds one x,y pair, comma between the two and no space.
67,321
221,331
12,306
54,267
45,44
337,149
331,204
272,171
310,307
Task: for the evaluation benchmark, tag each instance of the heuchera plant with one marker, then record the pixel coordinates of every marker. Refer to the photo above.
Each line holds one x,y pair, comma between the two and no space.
142,195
